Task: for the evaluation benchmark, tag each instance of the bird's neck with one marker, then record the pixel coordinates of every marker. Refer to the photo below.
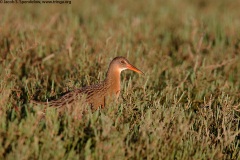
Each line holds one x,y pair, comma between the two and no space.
113,81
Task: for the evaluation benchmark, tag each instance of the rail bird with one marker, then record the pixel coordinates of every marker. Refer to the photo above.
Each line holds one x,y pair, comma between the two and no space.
97,95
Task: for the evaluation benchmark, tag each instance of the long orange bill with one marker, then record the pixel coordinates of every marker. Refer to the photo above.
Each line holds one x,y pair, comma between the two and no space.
131,67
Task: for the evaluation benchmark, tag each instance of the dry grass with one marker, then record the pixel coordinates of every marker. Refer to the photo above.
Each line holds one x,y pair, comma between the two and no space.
185,107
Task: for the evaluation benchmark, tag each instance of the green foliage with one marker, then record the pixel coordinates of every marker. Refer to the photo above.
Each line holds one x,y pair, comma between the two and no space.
185,107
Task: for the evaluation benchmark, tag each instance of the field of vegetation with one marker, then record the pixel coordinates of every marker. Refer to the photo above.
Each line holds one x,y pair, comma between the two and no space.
186,106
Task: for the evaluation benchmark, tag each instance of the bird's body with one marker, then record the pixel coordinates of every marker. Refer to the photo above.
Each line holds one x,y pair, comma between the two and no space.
97,95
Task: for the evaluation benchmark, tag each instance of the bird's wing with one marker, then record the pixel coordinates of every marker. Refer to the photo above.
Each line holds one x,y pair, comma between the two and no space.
66,99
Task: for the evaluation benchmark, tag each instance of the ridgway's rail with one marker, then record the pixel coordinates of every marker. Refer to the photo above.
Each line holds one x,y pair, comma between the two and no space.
96,95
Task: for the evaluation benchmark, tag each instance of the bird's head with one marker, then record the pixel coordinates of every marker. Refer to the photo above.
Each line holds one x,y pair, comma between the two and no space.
121,63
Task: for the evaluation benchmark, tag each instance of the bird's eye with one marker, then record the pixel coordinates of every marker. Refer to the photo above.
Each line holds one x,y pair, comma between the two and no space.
122,61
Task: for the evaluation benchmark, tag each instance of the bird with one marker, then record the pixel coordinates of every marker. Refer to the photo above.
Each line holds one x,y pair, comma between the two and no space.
97,95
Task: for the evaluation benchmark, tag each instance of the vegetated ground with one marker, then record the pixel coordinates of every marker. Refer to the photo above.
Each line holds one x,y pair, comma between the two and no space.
186,106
